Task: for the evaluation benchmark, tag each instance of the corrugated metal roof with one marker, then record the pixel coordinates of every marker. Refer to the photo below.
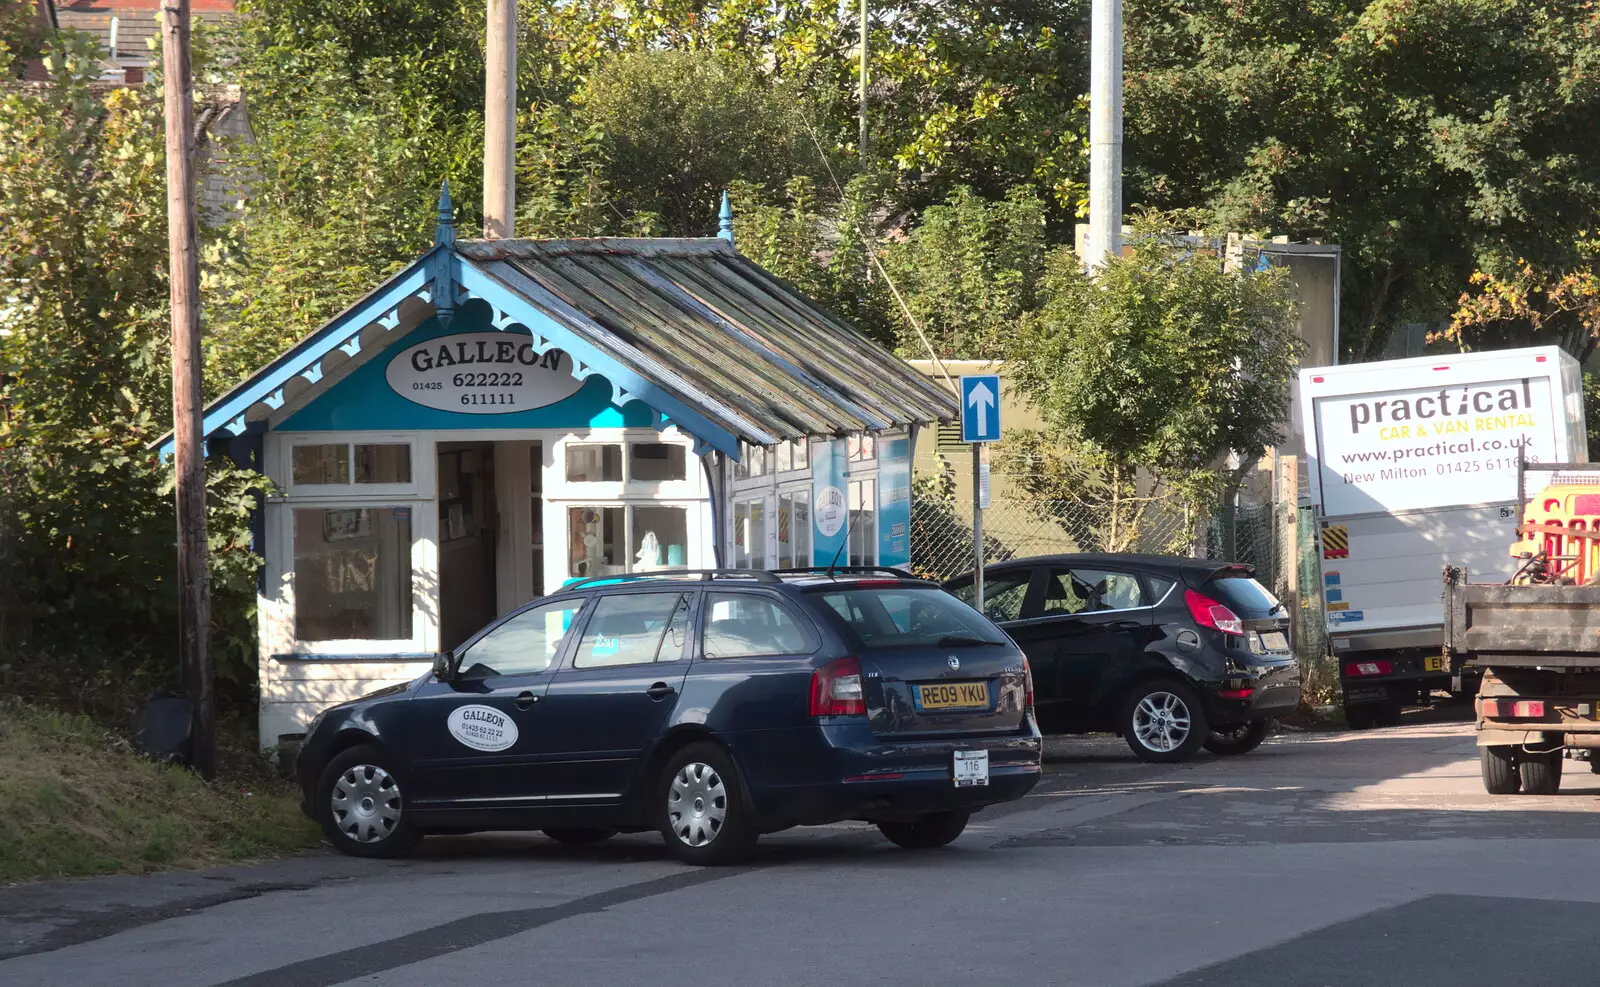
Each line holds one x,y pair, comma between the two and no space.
734,340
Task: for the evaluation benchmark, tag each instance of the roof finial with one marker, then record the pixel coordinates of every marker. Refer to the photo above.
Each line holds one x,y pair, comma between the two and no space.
444,232
725,220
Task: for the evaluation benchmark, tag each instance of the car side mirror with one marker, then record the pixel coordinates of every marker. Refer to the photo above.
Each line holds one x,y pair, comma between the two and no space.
442,667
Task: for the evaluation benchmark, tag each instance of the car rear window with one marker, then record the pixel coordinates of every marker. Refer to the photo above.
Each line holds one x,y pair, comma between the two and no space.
910,617
1244,596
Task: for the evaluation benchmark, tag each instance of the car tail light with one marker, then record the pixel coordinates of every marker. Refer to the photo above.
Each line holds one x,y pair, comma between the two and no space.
1357,669
1234,693
1027,684
1523,709
1209,613
836,689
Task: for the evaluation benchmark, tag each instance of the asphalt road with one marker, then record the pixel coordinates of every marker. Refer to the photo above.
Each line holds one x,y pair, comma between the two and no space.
1321,859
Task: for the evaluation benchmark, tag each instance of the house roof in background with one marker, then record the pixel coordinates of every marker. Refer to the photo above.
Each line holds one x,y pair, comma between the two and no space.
136,21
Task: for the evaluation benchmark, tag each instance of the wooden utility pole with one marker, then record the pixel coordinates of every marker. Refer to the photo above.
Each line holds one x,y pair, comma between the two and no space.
500,121
861,94
194,596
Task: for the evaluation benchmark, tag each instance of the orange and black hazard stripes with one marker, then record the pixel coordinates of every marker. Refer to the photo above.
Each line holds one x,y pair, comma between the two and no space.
1336,542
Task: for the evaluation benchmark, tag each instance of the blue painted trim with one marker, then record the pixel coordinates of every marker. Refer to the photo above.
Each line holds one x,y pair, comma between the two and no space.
305,354
725,220
512,300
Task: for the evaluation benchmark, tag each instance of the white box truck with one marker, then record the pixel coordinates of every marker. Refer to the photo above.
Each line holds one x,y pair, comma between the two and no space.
1413,464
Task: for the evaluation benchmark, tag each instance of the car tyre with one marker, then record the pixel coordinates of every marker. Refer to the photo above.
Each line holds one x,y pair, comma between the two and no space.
1360,717
928,832
361,805
1499,767
701,810
1163,722
1540,773
1240,739
579,835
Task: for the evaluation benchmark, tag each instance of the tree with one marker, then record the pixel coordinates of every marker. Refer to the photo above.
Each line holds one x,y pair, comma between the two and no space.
23,36
1162,360
970,269
679,127
1531,304
84,384
1430,138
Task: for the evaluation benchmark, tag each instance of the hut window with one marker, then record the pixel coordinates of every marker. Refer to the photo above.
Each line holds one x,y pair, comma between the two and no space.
794,529
863,522
330,464
752,461
750,534
657,462
352,574
612,541
594,463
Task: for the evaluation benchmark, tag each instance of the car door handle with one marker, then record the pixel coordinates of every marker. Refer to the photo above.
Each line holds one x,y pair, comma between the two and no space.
1126,625
660,691
526,700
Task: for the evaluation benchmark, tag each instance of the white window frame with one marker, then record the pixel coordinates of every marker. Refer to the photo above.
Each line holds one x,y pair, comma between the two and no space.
424,576
558,487
281,466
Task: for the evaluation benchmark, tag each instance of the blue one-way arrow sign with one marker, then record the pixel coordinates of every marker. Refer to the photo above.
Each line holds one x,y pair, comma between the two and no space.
980,408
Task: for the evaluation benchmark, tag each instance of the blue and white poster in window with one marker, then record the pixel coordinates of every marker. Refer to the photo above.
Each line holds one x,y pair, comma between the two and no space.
829,513
894,501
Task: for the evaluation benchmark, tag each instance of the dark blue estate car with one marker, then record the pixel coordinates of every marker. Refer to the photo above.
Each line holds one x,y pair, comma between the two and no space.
710,706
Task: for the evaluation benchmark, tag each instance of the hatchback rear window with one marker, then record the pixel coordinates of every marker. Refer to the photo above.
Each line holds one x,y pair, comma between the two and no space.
910,617
1244,596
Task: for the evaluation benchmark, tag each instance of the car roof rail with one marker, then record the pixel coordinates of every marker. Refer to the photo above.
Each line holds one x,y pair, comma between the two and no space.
850,570
704,575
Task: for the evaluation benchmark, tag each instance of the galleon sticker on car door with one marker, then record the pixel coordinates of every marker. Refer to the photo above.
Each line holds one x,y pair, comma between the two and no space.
482,728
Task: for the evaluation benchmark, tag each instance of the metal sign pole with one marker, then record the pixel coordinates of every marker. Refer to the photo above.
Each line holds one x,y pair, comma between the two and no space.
977,525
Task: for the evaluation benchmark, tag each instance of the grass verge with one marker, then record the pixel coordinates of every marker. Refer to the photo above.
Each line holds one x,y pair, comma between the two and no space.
76,800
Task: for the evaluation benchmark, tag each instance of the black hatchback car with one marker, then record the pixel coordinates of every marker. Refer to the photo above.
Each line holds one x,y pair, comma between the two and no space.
1173,654
712,707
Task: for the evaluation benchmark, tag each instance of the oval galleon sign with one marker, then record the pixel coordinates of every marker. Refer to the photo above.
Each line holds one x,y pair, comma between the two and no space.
482,373
482,728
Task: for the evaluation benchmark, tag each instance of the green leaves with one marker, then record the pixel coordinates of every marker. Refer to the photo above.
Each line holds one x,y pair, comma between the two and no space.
1163,360
1430,138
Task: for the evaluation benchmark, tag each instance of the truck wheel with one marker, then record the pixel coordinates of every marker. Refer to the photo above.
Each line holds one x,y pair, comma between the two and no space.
1541,773
1499,765
1358,717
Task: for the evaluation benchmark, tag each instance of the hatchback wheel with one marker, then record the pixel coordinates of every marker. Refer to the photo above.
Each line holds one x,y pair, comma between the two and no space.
361,806
927,833
701,810
1241,739
1163,722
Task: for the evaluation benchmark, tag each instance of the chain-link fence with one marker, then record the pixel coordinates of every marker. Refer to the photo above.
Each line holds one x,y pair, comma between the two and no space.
1018,524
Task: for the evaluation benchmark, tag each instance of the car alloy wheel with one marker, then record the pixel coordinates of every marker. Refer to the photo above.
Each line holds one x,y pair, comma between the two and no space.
697,804
366,803
1162,721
